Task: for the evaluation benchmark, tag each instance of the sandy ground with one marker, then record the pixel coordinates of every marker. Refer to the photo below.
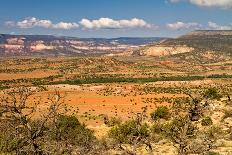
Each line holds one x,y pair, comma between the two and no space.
89,103
33,74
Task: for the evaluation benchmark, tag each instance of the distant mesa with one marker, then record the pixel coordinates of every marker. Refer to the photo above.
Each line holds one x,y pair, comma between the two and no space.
201,42
208,33
54,45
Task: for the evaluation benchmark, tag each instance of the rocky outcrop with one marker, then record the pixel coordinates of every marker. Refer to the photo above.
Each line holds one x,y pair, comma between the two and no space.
159,50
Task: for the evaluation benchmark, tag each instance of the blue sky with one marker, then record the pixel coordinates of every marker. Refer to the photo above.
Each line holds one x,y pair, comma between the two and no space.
113,18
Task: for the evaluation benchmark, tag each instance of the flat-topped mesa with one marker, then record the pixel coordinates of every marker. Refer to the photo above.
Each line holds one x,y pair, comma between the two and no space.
199,41
160,50
208,33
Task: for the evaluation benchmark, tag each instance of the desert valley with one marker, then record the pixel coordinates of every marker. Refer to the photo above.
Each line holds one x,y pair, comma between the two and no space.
140,88
115,77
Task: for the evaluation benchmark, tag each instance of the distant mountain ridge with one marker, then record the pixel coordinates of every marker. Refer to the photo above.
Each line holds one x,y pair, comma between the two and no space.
61,45
201,45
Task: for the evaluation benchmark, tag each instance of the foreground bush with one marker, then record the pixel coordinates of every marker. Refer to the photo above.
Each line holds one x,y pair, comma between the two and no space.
70,130
181,131
160,112
112,121
212,93
49,133
128,132
207,121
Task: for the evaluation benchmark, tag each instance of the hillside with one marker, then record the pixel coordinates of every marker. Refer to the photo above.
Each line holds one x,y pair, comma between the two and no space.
60,45
208,44
220,41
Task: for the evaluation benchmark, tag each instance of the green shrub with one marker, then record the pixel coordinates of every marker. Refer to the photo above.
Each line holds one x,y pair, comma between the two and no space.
207,121
71,130
113,121
212,93
157,128
161,129
10,143
127,132
14,144
65,122
160,112
180,128
181,131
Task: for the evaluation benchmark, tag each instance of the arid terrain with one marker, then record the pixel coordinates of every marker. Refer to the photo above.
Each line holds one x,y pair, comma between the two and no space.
176,73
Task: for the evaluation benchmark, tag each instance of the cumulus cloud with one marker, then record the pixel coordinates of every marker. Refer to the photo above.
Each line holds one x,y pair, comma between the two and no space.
102,23
63,25
31,22
193,26
181,25
215,26
108,23
208,3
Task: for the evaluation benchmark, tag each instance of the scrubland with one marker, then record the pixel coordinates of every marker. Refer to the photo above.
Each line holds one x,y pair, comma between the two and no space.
115,105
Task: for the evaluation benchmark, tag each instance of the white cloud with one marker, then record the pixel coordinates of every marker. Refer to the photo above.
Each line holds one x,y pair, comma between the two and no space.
225,4
181,25
108,23
63,25
215,26
102,23
31,22
213,3
193,26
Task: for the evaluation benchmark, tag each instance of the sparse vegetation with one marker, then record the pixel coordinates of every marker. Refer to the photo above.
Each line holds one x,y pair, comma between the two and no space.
115,105
128,132
113,121
160,112
212,93
207,121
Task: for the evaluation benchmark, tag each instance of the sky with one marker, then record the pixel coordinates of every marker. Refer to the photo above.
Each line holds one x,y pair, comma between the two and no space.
113,18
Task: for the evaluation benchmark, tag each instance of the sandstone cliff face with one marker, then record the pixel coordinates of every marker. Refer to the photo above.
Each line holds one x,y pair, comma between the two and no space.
17,41
159,50
40,47
17,45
